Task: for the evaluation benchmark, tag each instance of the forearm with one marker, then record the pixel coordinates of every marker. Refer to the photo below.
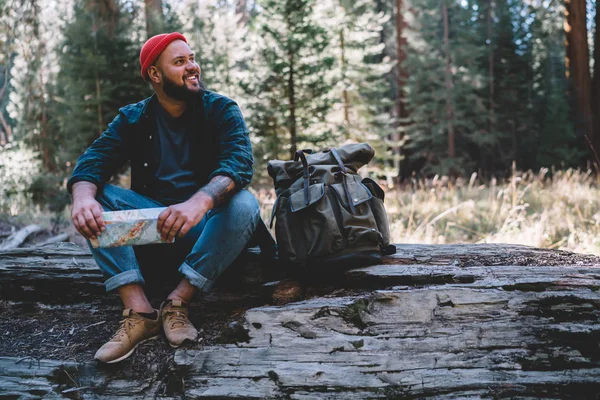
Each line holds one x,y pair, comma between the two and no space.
216,192
84,189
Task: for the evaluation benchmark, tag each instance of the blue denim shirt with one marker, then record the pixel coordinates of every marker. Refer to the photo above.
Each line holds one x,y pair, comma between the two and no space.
222,145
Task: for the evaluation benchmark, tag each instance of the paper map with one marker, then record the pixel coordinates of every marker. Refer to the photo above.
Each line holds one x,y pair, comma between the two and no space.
129,228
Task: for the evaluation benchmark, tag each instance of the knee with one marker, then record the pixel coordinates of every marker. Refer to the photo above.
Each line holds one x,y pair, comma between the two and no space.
109,197
244,206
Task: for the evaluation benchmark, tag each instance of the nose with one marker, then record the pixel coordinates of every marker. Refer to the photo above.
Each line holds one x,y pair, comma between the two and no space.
192,64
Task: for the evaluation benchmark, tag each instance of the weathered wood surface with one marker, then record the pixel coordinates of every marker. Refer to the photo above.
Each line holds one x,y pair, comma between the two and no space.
450,321
15,240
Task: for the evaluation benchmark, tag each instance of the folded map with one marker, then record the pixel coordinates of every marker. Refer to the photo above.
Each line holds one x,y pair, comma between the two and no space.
129,228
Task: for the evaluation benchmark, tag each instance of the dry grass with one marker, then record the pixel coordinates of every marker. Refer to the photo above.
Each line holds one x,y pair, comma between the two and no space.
559,212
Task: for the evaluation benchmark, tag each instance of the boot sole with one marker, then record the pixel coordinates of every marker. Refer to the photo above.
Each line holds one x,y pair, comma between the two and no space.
130,351
176,346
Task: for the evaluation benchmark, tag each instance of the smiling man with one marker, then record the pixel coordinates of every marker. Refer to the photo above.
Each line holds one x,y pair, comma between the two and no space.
190,152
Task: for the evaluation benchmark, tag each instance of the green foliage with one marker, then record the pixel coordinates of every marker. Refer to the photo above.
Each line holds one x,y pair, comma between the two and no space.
361,100
307,74
99,73
428,96
289,79
18,167
555,142
219,40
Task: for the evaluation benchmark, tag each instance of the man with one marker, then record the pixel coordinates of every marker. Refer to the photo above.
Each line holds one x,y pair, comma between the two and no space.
189,151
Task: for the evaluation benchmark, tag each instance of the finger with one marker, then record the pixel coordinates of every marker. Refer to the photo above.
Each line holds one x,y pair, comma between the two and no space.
83,228
175,228
164,232
75,221
91,222
162,218
184,229
97,212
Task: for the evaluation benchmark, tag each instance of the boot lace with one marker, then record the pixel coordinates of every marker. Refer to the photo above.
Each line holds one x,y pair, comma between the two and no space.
125,326
176,318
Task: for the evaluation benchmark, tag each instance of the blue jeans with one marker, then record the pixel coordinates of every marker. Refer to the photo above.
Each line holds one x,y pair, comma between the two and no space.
212,245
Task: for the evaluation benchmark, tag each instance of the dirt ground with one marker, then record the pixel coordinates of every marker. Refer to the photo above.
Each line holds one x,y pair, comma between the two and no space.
74,332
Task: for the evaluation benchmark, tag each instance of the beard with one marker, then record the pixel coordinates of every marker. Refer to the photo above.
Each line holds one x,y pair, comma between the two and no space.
182,92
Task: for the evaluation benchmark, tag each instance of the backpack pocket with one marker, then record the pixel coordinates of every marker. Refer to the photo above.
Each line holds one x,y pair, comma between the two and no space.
360,229
307,228
378,209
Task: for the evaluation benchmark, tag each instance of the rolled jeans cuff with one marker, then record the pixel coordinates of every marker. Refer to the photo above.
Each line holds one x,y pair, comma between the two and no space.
199,281
124,278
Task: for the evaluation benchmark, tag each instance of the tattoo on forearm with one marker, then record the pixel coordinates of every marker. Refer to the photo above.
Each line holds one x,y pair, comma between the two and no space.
220,189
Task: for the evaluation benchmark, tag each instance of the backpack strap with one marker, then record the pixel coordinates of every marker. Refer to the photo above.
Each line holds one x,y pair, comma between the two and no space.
300,155
343,173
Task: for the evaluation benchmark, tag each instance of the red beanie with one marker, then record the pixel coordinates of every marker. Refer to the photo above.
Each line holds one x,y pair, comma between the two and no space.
153,47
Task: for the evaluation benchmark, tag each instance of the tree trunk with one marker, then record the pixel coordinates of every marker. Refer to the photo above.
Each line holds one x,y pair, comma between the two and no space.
491,78
344,91
99,107
45,142
154,17
6,131
107,12
19,237
578,66
595,108
449,85
431,321
241,10
292,99
401,77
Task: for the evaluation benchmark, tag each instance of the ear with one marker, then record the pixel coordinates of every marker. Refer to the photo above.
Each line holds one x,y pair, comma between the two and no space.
153,74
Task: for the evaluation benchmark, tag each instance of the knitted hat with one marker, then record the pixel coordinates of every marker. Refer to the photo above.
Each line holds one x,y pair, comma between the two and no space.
153,47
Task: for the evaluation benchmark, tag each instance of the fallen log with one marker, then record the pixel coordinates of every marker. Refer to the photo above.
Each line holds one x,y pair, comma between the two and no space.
432,321
63,237
16,239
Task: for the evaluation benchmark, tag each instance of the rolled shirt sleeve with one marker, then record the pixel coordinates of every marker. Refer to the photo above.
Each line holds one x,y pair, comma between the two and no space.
235,156
103,157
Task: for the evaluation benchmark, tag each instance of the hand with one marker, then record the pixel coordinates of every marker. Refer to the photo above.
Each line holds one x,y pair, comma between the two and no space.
86,214
178,219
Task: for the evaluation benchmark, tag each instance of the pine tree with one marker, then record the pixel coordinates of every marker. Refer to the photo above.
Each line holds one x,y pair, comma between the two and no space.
99,73
219,40
446,111
289,79
555,143
30,75
507,88
362,103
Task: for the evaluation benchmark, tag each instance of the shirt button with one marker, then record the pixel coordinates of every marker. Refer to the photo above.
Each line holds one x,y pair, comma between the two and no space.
145,164
150,137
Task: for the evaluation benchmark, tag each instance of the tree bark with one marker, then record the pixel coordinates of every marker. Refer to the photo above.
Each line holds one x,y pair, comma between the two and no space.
99,107
449,84
344,91
578,66
431,321
595,108
6,131
291,98
401,78
491,78
155,19
19,237
241,10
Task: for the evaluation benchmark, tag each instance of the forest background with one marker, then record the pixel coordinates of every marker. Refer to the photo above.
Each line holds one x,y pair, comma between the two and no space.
483,113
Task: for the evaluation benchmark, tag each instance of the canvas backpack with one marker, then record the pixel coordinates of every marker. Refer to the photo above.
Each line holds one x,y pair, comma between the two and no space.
326,214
